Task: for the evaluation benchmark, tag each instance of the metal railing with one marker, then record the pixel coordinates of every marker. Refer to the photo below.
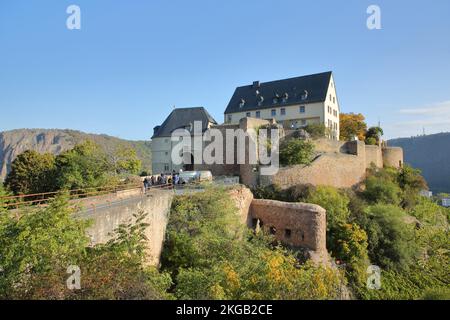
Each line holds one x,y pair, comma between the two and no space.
40,199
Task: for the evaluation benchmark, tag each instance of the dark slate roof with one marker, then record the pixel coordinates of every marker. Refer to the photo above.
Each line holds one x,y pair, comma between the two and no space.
182,118
316,85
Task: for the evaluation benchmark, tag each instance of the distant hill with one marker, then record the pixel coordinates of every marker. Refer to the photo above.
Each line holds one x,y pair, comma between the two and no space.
431,154
15,142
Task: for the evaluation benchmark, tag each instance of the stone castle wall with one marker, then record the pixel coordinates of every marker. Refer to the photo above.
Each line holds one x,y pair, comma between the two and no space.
339,164
338,170
393,157
107,218
298,225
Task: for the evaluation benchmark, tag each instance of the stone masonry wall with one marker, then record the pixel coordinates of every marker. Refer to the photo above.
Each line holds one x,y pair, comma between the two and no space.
393,157
340,164
374,155
298,225
338,170
106,218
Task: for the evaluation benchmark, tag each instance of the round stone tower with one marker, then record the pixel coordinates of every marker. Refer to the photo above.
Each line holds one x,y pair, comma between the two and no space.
393,157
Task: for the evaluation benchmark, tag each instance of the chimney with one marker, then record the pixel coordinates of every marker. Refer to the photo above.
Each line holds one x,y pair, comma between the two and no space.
256,84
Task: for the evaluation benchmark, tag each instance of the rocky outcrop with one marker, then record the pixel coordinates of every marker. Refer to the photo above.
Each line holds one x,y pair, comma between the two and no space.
15,142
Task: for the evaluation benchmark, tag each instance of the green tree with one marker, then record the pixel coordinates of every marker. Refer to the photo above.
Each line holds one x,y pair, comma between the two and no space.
346,241
427,278
202,228
36,250
391,238
334,201
429,212
350,246
411,182
85,166
381,186
373,135
295,152
31,172
125,161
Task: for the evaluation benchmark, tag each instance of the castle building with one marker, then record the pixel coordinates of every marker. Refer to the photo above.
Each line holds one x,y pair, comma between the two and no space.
294,102
162,145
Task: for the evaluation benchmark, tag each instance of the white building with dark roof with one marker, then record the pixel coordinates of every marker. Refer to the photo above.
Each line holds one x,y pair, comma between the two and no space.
294,102
162,145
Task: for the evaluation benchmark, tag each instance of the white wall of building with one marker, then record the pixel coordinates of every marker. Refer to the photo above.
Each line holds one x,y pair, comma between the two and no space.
313,113
332,111
326,112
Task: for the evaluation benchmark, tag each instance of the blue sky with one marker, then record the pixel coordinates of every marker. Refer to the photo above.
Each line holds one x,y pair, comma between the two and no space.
132,61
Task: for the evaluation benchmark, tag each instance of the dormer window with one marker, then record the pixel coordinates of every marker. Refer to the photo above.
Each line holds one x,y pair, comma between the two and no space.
242,103
276,98
285,97
260,100
305,95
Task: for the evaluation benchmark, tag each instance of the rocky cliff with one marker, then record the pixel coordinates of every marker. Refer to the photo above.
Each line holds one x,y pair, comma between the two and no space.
15,142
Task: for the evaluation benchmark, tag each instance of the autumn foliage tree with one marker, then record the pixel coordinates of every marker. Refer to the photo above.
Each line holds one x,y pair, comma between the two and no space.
352,125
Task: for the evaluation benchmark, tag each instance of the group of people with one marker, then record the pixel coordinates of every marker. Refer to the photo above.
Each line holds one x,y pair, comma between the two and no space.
161,180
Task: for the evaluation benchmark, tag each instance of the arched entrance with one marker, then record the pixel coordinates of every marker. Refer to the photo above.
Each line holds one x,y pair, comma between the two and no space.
188,163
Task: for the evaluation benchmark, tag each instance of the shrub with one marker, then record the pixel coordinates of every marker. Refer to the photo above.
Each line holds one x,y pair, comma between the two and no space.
382,190
265,274
349,245
316,130
391,239
334,201
295,152
203,228
371,141
428,212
